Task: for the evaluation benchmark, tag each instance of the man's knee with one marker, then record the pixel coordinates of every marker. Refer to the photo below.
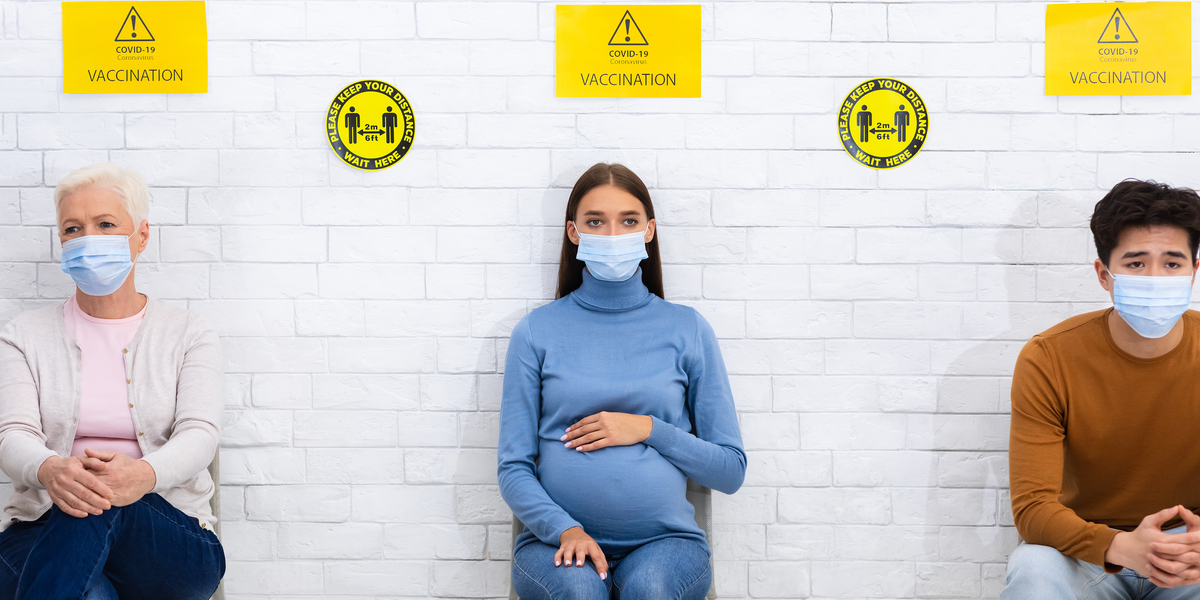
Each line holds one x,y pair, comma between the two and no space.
1041,572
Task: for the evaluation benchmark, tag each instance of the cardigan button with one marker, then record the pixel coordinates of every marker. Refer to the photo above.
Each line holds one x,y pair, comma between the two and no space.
126,351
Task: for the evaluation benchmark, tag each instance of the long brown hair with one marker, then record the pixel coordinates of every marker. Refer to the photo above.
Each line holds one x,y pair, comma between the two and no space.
570,269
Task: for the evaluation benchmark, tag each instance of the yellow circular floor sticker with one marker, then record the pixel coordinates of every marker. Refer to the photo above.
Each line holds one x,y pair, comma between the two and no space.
883,123
370,125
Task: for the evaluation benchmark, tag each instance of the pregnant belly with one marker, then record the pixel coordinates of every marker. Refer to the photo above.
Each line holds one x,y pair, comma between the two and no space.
617,494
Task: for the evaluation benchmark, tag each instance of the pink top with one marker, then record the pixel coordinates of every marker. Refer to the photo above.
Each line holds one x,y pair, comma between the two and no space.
105,422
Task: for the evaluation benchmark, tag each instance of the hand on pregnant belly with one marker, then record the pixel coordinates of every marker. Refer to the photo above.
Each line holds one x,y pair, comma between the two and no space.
128,478
605,429
575,545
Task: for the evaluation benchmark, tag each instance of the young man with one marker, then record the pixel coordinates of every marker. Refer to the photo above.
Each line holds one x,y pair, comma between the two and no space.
1104,454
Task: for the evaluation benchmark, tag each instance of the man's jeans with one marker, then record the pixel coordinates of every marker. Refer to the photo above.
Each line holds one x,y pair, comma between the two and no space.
667,569
1043,573
145,551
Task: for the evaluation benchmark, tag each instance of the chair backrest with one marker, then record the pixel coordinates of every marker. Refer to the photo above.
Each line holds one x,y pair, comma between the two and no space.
214,503
701,499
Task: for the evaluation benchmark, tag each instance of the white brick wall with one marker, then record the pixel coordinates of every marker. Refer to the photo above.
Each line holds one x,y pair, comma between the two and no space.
870,320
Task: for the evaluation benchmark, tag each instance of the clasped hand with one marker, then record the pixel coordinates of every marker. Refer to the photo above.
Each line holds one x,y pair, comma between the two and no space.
1167,560
93,483
605,429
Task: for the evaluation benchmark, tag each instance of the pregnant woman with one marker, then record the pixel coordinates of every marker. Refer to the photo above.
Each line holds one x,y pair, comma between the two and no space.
613,399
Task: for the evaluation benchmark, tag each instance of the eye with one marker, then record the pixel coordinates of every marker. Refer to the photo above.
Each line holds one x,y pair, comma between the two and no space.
1173,265
70,230
106,225
594,222
631,221
1135,265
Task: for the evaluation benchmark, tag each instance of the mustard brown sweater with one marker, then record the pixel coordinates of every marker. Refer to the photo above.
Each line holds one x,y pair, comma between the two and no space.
1100,438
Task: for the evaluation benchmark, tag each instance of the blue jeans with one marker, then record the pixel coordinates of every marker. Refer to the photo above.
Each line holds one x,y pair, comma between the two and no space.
667,569
145,551
1043,573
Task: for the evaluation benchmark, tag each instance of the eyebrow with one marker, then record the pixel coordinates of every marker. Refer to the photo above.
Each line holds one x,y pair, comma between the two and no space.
601,213
1140,253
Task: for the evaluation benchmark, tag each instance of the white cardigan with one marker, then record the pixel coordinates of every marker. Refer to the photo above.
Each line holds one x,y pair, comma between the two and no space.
173,365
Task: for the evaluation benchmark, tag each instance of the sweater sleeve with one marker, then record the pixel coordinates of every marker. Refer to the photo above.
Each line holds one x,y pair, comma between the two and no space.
520,412
22,442
198,405
711,455
1035,459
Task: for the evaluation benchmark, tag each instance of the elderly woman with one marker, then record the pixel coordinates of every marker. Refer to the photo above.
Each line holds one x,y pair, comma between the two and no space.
109,411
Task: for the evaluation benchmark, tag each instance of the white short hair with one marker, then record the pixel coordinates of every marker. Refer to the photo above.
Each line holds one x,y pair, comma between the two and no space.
125,182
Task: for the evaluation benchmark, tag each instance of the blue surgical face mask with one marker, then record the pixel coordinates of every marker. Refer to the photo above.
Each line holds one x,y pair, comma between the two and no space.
99,264
612,257
1151,305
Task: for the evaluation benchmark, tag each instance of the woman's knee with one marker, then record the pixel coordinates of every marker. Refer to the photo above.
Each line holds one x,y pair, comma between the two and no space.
660,582
536,578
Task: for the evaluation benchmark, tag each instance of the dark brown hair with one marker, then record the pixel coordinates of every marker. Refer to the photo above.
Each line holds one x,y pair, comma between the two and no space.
570,269
1136,203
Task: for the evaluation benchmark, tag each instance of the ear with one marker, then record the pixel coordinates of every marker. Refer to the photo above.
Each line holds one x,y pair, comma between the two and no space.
1104,276
650,227
572,233
144,235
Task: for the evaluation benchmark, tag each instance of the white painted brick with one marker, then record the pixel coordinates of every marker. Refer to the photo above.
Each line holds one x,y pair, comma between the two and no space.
884,468
871,578
970,469
462,20
818,170
750,505
863,282
711,168
265,577
1043,132
886,543
779,579
859,23
358,466
337,541
772,21
780,468
263,281
262,466
808,245
760,282
345,429
306,58
798,319
376,577
834,505
941,23
852,431
773,357
785,95
265,20
424,542
745,132
480,504
256,427
906,320
781,59
397,392
365,20
765,207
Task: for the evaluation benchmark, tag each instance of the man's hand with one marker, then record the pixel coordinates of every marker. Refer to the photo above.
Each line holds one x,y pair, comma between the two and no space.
73,487
1175,562
575,545
1133,550
129,479
605,429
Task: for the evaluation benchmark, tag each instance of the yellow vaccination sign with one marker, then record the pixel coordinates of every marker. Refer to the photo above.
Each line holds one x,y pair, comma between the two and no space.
883,123
615,51
370,125
135,48
1131,49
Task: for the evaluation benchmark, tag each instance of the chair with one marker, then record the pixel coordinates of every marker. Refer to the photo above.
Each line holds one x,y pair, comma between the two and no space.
214,503
701,499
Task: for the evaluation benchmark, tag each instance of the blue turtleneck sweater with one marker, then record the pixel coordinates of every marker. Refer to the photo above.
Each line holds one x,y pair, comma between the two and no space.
614,346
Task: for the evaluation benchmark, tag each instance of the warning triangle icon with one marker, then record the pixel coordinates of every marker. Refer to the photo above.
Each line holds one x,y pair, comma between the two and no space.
628,33
1117,30
133,29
